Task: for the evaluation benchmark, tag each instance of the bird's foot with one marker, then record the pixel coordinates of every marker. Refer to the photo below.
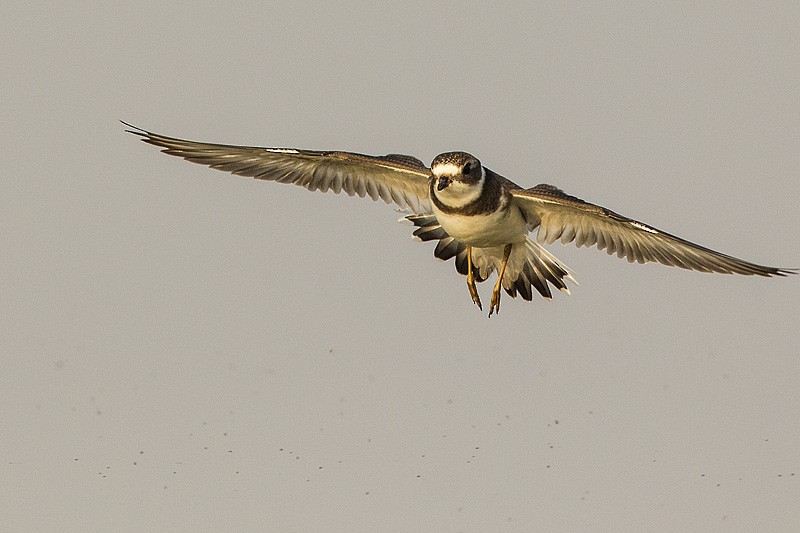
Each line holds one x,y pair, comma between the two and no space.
473,291
494,306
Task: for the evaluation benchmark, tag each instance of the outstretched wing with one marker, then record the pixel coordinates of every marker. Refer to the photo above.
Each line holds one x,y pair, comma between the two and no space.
394,178
559,215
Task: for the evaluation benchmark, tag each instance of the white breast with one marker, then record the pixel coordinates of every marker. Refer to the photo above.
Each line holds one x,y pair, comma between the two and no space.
495,229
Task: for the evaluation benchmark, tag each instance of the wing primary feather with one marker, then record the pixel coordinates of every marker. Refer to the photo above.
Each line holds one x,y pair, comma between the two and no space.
393,178
574,220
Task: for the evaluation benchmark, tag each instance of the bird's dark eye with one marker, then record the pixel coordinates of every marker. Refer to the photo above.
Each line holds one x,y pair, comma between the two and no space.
467,168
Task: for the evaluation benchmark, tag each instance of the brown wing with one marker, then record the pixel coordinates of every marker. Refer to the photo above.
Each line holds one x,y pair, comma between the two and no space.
394,178
559,215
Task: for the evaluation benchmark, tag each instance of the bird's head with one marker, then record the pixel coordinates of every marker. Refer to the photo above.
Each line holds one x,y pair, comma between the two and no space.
457,178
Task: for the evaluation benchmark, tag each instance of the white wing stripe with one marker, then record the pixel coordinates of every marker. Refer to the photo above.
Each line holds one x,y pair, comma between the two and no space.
393,178
557,215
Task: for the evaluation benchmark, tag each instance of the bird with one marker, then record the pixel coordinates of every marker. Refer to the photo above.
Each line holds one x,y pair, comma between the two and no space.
477,217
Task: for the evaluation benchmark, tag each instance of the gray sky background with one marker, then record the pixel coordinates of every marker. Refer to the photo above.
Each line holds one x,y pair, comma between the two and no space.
186,349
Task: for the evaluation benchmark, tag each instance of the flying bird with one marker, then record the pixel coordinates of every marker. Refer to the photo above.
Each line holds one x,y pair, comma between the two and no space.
477,216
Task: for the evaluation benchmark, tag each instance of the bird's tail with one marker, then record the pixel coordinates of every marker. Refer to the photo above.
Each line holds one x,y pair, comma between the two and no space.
529,265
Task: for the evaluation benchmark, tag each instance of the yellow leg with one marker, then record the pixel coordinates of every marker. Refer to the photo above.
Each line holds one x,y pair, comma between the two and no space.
495,304
473,290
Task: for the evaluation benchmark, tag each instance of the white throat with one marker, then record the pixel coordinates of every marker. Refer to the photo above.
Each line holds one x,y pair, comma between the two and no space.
458,194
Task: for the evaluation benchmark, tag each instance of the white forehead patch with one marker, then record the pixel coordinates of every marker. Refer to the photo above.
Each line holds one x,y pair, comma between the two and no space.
446,169
282,150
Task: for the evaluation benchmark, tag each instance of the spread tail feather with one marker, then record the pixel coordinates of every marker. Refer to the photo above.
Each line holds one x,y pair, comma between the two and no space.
529,266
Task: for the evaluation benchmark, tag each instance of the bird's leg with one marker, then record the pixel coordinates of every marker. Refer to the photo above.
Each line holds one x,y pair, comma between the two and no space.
495,304
473,290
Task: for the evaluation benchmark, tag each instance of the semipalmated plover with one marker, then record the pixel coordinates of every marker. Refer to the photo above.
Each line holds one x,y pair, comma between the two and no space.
477,216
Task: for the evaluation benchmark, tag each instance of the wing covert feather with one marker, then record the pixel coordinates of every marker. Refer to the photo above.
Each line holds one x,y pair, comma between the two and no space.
394,178
561,216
